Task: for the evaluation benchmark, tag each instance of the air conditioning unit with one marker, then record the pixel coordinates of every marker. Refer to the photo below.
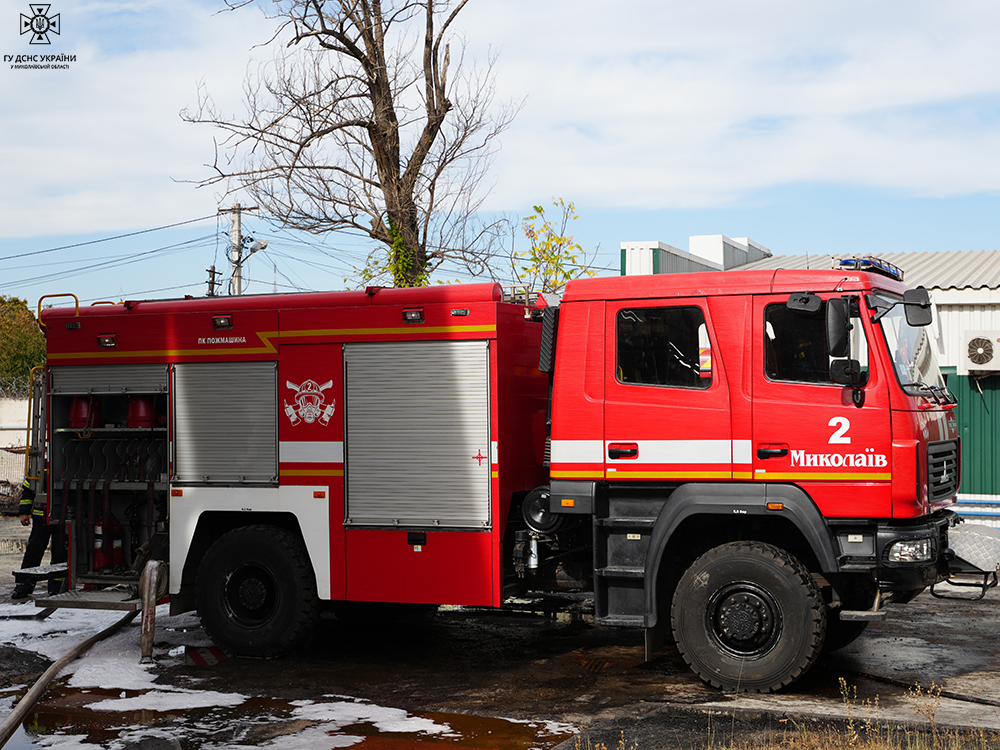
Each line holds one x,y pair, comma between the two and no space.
981,350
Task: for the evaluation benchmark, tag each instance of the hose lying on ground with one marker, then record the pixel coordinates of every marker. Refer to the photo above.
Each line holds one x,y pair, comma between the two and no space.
10,724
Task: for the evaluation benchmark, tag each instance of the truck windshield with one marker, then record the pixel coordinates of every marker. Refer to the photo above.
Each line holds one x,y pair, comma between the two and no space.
913,356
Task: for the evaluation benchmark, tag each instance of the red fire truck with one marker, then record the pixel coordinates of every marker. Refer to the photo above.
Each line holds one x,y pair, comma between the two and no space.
753,463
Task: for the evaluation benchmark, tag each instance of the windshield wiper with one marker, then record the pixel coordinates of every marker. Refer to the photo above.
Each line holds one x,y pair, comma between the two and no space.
947,395
925,389
940,393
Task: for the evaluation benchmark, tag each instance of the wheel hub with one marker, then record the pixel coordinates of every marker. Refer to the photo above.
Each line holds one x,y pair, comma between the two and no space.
744,616
252,593
744,619
249,595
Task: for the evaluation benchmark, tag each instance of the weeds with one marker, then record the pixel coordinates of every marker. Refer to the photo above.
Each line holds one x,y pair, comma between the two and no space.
863,728
849,695
926,703
586,744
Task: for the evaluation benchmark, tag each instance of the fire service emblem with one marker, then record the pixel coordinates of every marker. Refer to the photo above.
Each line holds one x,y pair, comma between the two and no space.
310,403
40,24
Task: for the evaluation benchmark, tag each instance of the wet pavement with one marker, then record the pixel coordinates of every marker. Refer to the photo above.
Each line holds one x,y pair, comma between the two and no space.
530,676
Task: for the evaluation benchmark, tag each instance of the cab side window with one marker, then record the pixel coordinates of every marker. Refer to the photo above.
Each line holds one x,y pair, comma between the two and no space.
795,347
665,346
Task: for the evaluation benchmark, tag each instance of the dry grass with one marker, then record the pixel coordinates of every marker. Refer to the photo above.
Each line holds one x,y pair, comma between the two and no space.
863,728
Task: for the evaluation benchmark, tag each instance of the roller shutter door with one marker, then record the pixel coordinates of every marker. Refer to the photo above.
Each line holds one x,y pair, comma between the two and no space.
226,423
109,379
417,418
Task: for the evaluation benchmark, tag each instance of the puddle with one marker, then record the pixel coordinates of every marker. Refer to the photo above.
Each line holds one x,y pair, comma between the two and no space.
74,718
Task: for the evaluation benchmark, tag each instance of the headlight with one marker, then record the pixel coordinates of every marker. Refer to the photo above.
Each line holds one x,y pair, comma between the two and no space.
911,551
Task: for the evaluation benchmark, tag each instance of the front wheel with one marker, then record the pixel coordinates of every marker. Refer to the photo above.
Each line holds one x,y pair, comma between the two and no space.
257,592
748,617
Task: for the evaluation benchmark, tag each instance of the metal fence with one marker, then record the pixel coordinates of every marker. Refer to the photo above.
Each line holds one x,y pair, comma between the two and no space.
15,387
11,477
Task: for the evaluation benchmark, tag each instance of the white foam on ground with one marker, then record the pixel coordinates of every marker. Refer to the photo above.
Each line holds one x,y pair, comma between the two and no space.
345,713
546,727
308,739
64,741
169,699
113,663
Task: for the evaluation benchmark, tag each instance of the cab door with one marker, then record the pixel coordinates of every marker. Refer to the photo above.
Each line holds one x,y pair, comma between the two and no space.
666,397
808,430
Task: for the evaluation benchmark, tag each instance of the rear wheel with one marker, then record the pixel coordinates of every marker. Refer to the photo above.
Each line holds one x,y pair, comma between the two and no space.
748,617
257,591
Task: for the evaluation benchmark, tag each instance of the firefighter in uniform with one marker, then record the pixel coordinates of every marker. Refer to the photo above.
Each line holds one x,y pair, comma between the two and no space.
38,540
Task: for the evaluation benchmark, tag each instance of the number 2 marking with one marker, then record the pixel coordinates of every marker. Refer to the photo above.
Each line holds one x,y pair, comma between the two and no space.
839,435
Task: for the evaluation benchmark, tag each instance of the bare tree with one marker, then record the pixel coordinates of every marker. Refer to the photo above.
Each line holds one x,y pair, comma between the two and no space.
368,121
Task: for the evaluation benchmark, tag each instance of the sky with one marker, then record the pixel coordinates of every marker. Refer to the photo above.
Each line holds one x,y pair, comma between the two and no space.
823,127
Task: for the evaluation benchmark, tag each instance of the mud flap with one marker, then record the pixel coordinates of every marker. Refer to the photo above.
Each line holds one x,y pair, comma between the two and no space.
656,637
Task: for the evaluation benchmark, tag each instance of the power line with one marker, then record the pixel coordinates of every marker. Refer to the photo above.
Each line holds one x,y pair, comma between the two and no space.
108,239
146,291
287,286
139,257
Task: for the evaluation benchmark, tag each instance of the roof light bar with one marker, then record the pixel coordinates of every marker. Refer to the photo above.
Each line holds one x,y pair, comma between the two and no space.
869,263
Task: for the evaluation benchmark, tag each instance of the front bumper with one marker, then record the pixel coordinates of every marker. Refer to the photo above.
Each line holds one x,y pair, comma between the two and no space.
911,557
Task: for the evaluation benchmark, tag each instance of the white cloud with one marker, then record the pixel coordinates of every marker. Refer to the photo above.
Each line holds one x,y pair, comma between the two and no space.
648,103
693,104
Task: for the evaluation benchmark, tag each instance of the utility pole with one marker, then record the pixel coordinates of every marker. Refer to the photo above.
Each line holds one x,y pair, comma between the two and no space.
237,245
237,250
212,273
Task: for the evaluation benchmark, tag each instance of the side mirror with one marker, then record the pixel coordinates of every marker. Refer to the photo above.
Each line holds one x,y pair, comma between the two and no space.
845,371
848,372
804,302
917,303
838,326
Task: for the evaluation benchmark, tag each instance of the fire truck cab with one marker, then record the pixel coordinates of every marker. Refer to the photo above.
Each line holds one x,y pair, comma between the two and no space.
767,458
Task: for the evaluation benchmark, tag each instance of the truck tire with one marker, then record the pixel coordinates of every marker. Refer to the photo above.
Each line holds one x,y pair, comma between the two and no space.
257,591
748,617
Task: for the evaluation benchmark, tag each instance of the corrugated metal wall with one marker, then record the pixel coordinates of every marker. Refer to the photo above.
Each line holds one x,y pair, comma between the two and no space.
959,313
978,425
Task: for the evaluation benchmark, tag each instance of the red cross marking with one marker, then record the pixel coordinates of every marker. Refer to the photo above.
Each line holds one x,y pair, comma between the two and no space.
480,457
